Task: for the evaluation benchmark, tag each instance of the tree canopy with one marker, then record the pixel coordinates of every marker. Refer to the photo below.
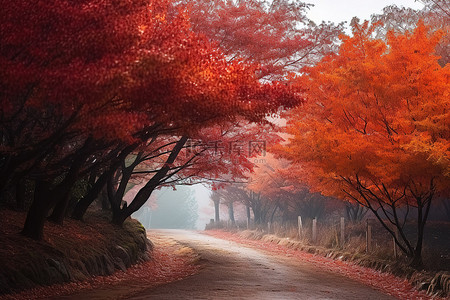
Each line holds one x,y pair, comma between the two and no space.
375,126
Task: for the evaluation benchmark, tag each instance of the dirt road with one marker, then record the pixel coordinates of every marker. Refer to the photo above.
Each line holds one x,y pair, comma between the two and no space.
233,271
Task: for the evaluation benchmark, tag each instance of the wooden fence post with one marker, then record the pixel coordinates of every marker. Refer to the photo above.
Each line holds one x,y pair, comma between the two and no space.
300,227
342,231
314,230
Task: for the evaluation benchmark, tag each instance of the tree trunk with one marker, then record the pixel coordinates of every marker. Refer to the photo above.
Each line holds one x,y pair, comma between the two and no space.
273,215
257,214
59,211
121,214
231,213
216,211
115,206
82,205
37,214
247,208
126,176
63,190
104,198
21,189
417,262
127,172
423,209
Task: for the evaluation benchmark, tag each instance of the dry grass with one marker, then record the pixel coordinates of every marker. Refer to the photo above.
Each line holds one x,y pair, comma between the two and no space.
436,250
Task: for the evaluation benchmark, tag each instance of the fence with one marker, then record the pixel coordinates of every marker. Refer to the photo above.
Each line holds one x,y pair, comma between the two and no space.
365,237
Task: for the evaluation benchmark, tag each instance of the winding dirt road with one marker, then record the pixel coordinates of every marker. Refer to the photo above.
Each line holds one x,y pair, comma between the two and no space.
233,271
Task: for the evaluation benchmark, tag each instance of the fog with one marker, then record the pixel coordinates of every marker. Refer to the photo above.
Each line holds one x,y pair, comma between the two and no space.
182,207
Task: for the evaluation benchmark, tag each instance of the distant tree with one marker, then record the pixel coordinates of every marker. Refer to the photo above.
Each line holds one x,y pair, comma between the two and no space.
215,198
239,192
277,180
354,211
220,196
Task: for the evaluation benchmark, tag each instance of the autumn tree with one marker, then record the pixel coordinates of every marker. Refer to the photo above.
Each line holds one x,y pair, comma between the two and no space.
87,83
216,154
375,128
436,14
59,93
277,35
277,180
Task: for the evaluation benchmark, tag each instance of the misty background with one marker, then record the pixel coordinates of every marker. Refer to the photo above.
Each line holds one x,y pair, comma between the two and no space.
181,207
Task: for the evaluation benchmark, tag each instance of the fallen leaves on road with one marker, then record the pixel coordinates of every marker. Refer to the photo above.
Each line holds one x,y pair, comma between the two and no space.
170,262
385,282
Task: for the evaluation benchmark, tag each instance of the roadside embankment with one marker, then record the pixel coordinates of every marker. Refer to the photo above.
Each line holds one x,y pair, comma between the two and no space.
76,251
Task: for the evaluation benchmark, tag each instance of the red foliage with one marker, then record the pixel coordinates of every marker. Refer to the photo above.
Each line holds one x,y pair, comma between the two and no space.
277,35
84,79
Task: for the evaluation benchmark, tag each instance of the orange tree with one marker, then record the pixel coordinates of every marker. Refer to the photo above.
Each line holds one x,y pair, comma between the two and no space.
435,13
375,128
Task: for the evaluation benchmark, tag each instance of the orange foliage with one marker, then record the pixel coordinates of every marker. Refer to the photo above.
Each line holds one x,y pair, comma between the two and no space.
377,111
376,127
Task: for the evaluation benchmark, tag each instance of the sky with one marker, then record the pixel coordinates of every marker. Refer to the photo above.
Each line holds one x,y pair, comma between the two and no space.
344,10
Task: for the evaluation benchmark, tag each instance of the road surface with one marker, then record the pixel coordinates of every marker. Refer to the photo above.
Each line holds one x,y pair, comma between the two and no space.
233,271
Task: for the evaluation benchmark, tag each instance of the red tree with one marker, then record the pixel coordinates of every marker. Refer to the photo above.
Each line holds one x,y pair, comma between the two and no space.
277,36
89,81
